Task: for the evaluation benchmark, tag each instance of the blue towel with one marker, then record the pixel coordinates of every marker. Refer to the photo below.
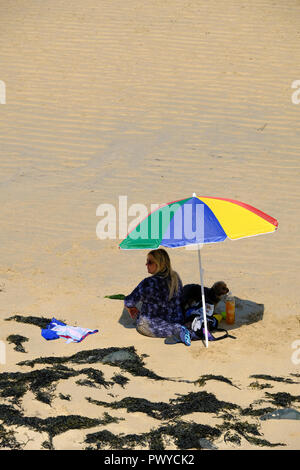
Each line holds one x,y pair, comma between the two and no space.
57,329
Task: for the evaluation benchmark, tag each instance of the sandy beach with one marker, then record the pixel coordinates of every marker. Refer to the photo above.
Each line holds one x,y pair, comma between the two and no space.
152,100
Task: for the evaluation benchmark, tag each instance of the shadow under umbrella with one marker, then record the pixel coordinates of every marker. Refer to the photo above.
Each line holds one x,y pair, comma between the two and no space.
126,320
246,313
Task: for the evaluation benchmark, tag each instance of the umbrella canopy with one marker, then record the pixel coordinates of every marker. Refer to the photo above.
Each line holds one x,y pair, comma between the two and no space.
195,221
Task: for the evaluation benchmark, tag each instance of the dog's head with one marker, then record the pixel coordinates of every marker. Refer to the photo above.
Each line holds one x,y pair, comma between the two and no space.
220,290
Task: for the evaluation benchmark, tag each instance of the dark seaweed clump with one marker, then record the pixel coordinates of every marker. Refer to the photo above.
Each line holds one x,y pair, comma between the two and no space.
250,411
120,380
53,426
185,404
282,398
65,397
185,436
204,402
274,378
42,382
17,340
233,431
37,321
131,363
259,386
96,378
204,378
7,439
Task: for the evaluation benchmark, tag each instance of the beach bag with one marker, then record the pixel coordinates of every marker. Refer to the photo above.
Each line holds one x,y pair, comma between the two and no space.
212,326
196,316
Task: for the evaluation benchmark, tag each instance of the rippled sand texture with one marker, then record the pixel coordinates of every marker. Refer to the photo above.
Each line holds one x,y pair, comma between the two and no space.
153,100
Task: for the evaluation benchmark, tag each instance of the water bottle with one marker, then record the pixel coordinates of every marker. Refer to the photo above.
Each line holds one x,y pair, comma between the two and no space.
230,309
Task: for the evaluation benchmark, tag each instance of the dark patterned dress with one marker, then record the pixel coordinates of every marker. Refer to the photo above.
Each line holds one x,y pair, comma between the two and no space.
158,316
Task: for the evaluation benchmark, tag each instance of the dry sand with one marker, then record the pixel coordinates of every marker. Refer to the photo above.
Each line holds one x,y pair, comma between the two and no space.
153,100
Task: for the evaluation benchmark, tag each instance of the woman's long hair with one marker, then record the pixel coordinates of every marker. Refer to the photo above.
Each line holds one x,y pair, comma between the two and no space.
164,268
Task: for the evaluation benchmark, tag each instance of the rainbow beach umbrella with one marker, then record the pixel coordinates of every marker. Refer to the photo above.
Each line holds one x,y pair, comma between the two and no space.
196,221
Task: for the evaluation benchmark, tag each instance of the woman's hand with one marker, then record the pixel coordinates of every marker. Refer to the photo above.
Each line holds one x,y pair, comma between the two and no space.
133,312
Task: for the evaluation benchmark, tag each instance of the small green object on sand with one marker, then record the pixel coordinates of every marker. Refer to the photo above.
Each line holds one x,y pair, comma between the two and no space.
116,296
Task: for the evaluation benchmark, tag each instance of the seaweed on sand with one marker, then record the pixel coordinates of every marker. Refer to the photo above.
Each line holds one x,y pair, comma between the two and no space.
234,430
258,386
37,321
125,358
133,405
7,439
53,426
274,378
120,380
185,404
204,378
282,398
17,340
41,382
233,427
96,378
16,384
250,411
195,402
65,397
185,435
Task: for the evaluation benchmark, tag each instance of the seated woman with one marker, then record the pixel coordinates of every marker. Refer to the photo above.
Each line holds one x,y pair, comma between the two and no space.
160,314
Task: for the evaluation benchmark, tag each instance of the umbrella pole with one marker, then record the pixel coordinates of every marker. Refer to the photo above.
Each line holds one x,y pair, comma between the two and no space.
203,297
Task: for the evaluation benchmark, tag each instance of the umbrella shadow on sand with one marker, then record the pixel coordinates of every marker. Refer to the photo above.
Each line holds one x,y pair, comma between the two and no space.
126,320
246,313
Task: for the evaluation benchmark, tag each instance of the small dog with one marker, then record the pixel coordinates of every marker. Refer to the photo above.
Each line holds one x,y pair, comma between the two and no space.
192,297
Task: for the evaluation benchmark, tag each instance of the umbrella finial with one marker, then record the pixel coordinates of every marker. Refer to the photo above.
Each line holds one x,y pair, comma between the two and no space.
194,195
